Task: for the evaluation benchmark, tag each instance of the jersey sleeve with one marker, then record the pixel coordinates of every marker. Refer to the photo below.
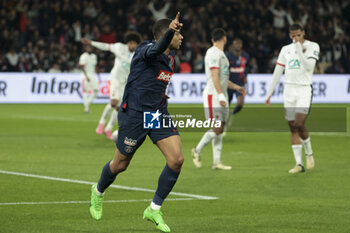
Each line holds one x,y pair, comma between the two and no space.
281,60
82,59
314,52
115,48
214,61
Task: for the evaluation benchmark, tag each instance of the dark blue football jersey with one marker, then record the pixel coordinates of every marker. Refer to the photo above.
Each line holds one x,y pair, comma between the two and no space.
238,67
148,79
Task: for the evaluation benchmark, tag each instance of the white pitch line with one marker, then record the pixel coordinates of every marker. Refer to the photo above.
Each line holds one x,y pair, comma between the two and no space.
87,202
112,186
52,118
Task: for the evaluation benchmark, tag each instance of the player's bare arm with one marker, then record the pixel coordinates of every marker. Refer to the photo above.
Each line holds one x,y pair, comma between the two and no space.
217,85
236,87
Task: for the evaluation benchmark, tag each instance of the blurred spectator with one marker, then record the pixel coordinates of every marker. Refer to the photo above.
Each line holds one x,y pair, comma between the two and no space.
13,59
55,68
160,13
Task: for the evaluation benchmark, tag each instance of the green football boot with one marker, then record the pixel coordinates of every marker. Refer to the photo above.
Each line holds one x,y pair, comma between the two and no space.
156,216
96,204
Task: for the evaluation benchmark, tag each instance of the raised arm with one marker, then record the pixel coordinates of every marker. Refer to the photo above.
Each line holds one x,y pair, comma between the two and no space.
99,45
310,62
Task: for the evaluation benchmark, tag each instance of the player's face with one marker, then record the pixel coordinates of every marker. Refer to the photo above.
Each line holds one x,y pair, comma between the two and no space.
297,35
176,41
88,48
132,45
237,45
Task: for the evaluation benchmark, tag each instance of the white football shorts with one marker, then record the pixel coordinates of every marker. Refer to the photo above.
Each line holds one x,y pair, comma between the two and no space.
297,99
213,109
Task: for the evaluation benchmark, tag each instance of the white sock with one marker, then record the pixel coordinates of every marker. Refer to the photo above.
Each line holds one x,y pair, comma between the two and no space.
298,153
217,147
113,120
307,146
86,101
106,112
207,137
98,192
154,206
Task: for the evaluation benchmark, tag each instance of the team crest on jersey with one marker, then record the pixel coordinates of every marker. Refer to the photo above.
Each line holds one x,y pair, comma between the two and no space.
164,76
128,149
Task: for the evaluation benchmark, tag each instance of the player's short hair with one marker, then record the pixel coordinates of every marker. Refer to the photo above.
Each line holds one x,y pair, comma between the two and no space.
160,27
217,34
132,36
295,27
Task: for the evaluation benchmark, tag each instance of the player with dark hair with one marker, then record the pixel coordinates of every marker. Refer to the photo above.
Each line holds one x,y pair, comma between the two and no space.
151,69
118,77
239,60
215,99
297,60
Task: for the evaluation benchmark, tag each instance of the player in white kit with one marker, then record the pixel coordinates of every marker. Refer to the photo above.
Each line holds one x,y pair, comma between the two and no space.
215,99
298,61
118,77
87,63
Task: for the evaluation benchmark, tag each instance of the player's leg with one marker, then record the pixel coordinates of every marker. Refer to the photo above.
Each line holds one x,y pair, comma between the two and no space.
132,135
303,109
240,103
113,120
85,95
172,151
296,148
230,94
208,136
290,101
93,92
101,124
116,93
109,172
92,96
107,111
217,143
303,133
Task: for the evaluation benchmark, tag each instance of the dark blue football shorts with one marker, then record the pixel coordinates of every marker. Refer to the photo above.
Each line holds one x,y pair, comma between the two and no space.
131,132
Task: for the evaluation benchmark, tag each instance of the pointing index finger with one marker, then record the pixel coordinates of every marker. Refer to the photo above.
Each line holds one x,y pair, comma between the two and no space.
177,16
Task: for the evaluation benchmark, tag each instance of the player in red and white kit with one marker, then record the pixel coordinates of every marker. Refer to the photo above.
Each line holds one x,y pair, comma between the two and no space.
215,99
298,61
118,77
87,63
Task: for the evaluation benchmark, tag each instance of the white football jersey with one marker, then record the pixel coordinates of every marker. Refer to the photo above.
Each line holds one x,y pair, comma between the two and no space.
89,61
123,56
295,73
216,59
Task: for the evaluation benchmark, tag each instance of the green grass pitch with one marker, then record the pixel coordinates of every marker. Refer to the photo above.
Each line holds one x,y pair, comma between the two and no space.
257,196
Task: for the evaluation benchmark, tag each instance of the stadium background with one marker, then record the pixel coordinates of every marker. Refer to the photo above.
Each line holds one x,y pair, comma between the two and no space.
43,36
50,152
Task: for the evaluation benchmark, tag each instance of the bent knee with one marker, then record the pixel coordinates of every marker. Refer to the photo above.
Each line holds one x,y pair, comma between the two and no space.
298,125
176,163
118,168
